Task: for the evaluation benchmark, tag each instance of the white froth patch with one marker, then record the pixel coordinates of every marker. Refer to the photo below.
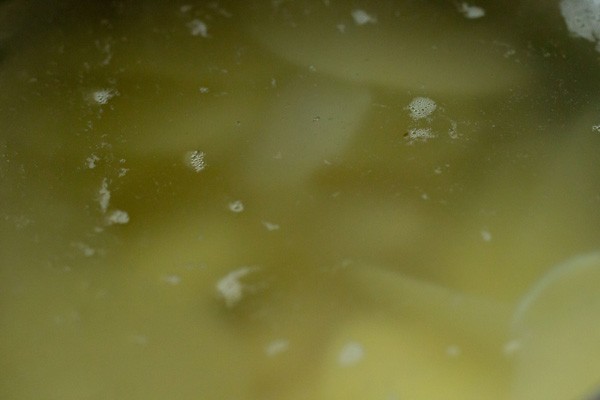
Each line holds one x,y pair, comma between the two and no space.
471,11
198,28
419,135
231,288
270,226
361,17
195,160
236,206
596,128
85,249
582,18
104,195
277,347
117,217
172,279
486,235
352,353
421,107
102,96
511,347
91,161
453,351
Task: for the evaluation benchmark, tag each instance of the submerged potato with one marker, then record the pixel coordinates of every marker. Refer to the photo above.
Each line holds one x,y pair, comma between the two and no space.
309,125
379,358
197,192
432,48
479,321
558,333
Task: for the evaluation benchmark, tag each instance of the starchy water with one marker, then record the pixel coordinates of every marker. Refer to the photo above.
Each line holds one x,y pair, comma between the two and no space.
310,199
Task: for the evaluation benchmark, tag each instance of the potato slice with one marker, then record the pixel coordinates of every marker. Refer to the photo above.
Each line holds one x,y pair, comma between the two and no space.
477,319
376,358
557,328
414,48
308,126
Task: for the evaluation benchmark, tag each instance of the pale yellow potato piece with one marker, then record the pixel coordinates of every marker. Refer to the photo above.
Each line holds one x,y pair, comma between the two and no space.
382,358
557,331
433,48
308,126
479,320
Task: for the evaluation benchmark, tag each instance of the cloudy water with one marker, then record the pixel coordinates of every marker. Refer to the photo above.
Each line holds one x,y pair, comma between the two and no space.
310,199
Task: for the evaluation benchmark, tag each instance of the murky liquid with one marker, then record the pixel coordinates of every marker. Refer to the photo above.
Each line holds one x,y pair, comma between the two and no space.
292,199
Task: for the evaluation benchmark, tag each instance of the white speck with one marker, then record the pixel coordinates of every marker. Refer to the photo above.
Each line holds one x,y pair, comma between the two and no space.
84,248
452,131
486,235
312,68
341,28
104,195
419,135
236,206
425,196
106,49
270,226
596,128
198,28
276,347
470,11
123,172
453,351
361,17
141,340
421,107
351,354
185,8
195,160
437,170
230,287
204,89
102,96
117,217
172,279
273,82
512,347
91,161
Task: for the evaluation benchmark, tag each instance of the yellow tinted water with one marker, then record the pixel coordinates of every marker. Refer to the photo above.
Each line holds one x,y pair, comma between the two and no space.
295,200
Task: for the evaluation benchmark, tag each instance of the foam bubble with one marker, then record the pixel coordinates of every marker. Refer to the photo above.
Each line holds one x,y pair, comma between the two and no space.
421,107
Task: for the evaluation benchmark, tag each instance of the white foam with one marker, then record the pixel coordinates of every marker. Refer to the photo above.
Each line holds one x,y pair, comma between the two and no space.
117,217
104,195
198,28
420,135
270,226
421,107
102,96
471,11
351,354
91,161
361,17
236,206
195,160
582,18
486,235
230,286
276,347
